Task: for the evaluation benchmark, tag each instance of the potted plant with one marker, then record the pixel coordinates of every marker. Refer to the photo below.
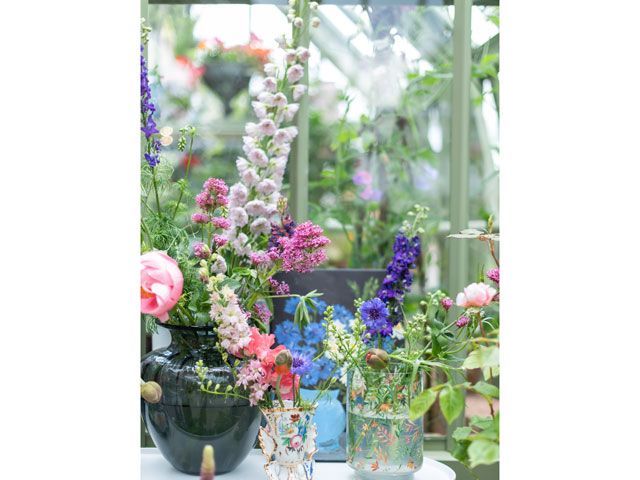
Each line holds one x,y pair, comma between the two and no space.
211,284
228,69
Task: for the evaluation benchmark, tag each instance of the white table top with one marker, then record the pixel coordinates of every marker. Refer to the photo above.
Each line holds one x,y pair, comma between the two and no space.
155,467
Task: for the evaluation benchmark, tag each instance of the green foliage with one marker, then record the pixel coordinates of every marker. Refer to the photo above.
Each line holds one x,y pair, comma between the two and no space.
478,443
422,403
486,358
451,402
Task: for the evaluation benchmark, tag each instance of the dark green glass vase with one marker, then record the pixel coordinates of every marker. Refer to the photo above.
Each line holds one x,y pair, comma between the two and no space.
187,419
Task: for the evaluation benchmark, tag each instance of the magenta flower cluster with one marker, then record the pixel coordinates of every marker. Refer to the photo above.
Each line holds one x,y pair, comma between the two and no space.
213,195
494,274
304,250
279,288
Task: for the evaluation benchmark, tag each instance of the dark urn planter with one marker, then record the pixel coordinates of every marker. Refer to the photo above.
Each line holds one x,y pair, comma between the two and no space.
334,284
226,79
187,419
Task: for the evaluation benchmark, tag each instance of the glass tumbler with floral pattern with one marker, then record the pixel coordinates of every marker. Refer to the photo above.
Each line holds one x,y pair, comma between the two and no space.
382,441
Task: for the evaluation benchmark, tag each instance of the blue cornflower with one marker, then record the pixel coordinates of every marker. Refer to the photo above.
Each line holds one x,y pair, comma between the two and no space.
320,306
314,333
376,317
291,304
379,341
288,334
301,364
320,371
342,314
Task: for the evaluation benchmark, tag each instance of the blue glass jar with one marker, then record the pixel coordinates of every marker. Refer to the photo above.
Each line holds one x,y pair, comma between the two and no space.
330,418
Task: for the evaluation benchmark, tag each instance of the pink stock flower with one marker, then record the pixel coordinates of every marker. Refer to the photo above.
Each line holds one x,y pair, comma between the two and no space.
295,73
299,91
160,284
476,295
270,84
302,54
279,99
267,127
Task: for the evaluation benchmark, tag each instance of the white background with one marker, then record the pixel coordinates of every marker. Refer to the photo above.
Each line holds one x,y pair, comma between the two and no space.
69,242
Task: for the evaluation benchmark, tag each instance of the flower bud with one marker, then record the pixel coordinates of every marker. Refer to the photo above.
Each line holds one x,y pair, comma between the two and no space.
446,303
313,5
462,321
377,359
315,22
298,22
208,466
283,362
151,392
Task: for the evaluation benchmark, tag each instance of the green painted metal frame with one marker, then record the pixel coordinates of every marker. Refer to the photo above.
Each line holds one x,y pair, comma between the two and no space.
458,251
299,164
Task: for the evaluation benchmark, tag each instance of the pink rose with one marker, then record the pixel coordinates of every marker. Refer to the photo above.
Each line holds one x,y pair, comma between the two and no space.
160,284
476,295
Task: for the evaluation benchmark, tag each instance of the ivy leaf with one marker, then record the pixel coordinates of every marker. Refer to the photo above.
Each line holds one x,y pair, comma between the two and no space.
422,403
486,389
451,403
483,452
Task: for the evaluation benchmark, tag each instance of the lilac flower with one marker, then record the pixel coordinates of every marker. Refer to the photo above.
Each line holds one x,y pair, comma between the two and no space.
376,317
399,277
301,364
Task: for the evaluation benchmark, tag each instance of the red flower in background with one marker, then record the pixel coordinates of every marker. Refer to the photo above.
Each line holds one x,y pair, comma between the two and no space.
195,160
194,72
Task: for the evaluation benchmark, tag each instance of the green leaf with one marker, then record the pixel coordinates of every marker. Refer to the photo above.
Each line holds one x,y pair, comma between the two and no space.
462,433
483,452
422,403
486,358
486,389
451,403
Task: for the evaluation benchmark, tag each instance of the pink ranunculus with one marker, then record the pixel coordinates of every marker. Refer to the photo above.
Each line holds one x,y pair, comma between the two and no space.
476,295
160,284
